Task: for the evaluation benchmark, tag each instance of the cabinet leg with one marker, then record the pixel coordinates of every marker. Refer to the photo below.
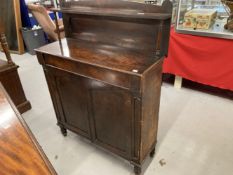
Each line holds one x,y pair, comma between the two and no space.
152,153
137,170
63,130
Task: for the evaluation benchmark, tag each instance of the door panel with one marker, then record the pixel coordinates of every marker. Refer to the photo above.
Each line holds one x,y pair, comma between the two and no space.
74,98
113,118
96,110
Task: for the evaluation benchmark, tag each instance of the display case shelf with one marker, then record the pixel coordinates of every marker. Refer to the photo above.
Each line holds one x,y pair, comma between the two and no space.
215,22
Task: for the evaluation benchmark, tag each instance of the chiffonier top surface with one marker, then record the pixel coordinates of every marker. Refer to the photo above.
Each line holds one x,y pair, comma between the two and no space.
114,34
101,55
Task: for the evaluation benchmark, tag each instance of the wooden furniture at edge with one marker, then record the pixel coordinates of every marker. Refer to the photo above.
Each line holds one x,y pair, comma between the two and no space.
9,77
105,76
19,151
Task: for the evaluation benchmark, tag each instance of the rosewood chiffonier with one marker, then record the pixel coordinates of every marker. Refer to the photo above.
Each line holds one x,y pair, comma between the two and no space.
105,76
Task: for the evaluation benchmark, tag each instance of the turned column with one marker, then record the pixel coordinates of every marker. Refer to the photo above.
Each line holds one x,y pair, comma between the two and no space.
5,48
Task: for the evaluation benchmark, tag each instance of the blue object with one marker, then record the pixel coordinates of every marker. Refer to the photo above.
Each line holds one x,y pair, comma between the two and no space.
24,14
52,15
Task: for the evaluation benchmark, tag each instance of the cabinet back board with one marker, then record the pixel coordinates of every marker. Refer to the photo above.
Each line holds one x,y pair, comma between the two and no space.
136,26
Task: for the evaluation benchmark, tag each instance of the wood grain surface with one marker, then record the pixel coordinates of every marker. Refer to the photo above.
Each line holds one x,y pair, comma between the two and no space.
9,78
20,154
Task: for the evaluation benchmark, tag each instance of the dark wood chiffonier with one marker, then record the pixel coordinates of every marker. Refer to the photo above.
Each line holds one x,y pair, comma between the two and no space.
105,76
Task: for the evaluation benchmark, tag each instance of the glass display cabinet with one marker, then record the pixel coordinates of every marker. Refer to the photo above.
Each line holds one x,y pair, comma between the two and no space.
213,18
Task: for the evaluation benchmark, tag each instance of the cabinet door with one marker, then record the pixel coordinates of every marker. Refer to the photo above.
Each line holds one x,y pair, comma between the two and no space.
73,98
96,110
113,118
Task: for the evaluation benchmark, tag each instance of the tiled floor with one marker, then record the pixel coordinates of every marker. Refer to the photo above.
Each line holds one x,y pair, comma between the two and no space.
195,133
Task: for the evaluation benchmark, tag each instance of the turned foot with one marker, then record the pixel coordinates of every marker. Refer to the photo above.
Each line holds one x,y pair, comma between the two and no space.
63,131
152,153
137,170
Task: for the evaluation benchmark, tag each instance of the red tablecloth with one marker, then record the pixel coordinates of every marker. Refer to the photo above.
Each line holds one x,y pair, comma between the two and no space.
201,59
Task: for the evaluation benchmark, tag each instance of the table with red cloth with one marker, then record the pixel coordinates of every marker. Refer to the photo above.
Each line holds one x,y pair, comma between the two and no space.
204,60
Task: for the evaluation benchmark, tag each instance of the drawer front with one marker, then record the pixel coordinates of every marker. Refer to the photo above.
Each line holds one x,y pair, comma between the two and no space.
112,77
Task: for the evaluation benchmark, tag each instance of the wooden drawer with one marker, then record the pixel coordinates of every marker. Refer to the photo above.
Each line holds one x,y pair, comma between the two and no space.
124,80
